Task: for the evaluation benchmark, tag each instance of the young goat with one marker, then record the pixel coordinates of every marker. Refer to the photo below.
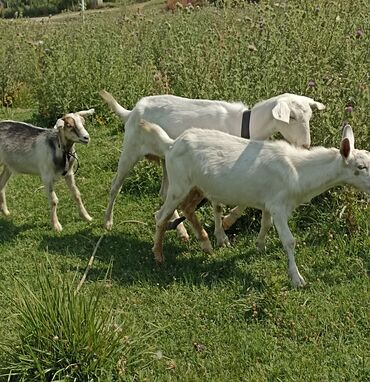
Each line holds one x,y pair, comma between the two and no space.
274,177
288,114
28,149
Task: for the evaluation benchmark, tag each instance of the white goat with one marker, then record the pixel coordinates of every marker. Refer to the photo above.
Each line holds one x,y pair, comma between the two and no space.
274,177
28,149
288,114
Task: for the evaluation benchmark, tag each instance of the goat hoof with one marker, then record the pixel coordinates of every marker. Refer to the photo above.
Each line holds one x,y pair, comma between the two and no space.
261,247
158,257
206,246
58,227
87,217
298,281
6,212
108,225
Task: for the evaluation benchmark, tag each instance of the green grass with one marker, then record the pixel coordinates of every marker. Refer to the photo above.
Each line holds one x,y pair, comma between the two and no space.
232,315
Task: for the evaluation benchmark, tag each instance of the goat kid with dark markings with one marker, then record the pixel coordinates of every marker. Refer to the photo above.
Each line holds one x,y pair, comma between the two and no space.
49,153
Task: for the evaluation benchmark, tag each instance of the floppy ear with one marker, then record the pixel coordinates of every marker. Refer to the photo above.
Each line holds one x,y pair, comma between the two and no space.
348,142
59,123
281,112
316,106
86,112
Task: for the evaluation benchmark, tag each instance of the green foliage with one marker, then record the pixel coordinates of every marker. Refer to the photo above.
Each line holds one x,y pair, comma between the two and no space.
231,315
62,335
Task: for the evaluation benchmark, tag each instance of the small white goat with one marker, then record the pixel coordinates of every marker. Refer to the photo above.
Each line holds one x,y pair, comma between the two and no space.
28,149
288,114
274,177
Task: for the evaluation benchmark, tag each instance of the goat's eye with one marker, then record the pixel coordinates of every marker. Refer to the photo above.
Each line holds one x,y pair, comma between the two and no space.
362,167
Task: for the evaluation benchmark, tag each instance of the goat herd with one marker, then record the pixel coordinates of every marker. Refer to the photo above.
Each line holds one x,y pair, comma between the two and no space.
209,149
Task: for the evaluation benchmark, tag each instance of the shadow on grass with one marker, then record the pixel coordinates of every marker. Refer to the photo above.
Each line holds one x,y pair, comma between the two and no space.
133,261
9,231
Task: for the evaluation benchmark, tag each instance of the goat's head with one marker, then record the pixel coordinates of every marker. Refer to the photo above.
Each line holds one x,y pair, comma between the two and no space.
356,162
73,126
292,113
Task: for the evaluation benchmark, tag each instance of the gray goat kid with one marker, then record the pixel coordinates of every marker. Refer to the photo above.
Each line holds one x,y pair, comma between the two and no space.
49,153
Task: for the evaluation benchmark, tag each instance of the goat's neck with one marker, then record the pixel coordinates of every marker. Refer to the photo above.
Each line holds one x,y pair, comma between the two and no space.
318,171
65,144
260,126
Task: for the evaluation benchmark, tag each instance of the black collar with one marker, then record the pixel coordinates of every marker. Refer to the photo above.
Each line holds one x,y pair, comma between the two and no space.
245,133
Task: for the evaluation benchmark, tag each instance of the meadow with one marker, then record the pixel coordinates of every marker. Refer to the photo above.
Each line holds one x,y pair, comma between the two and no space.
229,316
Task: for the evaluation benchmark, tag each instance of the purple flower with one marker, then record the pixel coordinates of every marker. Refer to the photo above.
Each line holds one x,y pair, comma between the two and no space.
360,33
311,83
348,109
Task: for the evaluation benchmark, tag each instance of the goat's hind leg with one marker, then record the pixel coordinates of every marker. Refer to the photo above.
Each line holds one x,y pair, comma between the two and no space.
188,207
125,164
232,217
71,183
181,230
4,177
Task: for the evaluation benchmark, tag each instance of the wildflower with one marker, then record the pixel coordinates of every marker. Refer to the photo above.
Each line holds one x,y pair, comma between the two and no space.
311,83
348,109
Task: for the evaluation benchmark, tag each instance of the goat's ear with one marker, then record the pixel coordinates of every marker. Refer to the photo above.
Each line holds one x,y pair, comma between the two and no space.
317,106
348,142
281,111
83,113
59,123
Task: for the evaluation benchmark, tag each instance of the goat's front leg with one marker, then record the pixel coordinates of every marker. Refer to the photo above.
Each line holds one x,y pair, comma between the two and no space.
53,202
232,217
71,183
127,161
181,230
281,224
222,239
266,223
4,177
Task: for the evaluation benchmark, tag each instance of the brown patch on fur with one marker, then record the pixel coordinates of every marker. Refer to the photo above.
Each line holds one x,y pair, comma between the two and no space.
190,203
69,121
153,158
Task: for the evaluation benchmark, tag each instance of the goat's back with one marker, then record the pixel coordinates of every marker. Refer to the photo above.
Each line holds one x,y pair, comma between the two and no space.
176,114
232,170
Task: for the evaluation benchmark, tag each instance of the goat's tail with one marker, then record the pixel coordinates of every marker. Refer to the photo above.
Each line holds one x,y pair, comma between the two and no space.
157,141
122,113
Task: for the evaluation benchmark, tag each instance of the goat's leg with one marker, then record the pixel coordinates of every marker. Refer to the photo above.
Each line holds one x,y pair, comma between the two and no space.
162,217
188,207
266,223
125,164
181,230
71,183
286,237
53,202
232,217
221,237
4,177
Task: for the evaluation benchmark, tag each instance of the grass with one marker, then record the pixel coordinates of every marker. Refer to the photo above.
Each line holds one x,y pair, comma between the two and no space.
232,315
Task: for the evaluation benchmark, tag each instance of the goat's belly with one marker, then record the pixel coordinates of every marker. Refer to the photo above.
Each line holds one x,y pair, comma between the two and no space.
21,167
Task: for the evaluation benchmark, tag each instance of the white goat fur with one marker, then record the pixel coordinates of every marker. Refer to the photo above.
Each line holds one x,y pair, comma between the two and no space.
49,153
274,177
288,114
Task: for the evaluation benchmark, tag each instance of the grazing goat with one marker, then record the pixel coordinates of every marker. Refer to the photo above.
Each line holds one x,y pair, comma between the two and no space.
28,149
288,114
274,177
